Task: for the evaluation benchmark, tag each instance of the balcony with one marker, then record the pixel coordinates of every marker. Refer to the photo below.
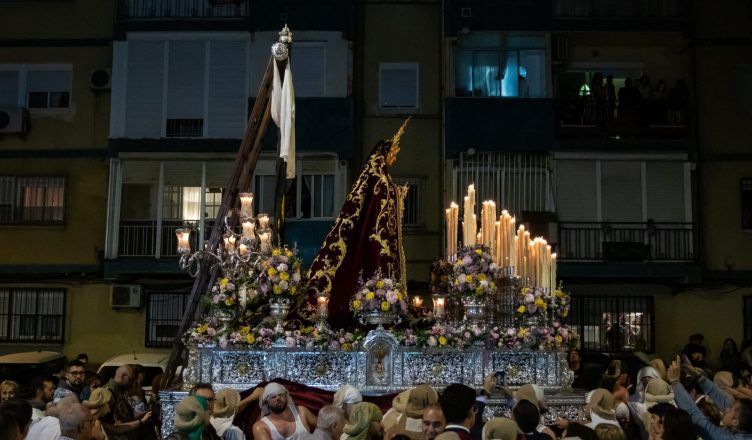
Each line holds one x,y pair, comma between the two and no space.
650,15
182,9
498,124
611,241
582,119
651,250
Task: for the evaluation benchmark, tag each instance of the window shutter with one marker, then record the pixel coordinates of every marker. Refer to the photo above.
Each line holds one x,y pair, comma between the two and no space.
182,174
9,88
185,82
621,191
398,86
217,173
665,191
228,74
140,172
48,81
143,111
309,69
576,191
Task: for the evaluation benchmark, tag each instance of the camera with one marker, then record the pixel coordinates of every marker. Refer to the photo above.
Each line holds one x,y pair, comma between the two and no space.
500,379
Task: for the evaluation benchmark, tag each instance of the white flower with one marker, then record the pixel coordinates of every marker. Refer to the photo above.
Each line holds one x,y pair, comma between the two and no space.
529,298
391,296
461,278
388,282
431,341
484,284
283,284
282,267
289,341
296,277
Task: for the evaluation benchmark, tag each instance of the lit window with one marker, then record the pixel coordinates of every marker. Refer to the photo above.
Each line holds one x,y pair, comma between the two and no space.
32,200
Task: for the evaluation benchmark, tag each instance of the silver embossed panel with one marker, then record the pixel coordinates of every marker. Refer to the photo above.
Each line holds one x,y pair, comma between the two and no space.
237,367
439,368
326,369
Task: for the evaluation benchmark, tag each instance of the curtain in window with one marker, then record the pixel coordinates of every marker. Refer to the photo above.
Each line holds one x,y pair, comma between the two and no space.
192,203
487,73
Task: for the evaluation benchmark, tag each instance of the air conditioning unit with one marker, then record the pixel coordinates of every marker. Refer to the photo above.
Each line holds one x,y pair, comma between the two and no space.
125,296
14,120
100,79
561,48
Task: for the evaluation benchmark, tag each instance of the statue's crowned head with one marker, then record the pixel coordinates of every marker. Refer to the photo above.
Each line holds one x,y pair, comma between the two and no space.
391,156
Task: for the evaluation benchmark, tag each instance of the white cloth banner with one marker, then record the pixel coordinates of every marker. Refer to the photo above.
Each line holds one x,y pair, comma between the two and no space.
283,113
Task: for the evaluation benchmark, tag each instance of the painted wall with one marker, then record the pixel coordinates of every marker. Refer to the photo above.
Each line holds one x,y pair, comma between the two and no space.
79,19
81,238
82,126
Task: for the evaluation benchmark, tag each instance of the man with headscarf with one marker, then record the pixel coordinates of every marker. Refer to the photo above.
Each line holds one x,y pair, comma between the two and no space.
409,421
345,398
365,422
280,418
225,408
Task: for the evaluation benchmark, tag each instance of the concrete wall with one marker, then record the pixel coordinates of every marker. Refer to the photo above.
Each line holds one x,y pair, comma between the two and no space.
79,19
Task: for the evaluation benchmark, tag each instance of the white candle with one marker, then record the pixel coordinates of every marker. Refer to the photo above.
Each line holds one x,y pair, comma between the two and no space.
265,240
323,302
263,221
246,205
242,249
417,302
249,229
229,243
184,240
438,308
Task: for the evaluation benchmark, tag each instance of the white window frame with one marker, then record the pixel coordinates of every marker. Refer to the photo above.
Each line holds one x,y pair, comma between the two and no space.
401,66
23,89
415,188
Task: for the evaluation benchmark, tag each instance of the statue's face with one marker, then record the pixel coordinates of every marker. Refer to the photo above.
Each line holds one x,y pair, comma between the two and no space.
391,157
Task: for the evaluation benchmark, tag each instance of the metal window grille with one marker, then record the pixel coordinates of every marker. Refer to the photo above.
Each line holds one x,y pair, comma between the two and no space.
516,182
413,215
614,323
317,196
185,127
163,315
183,9
32,315
32,200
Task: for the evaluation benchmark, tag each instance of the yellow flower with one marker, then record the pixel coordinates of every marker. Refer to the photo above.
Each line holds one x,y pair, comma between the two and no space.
245,330
469,279
284,276
288,253
479,252
558,339
202,328
345,347
370,295
384,306
521,309
271,271
482,277
525,290
229,302
356,305
559,294
564,313
293,289
315,334
492,284
442,340
522,333
223,283
540,303
479,290
379,284
276,252
399,296
250,339
277,290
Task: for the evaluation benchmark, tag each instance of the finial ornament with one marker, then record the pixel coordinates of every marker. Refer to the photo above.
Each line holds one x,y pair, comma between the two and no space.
400,132
281,49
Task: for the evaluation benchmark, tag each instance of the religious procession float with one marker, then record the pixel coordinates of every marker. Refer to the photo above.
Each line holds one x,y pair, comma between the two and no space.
495,305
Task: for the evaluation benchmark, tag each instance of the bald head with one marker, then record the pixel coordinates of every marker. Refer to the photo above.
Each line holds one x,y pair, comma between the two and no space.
124,375
76,421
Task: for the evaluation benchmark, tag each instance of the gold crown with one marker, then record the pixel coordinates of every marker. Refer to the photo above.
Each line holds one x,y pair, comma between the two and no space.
400,132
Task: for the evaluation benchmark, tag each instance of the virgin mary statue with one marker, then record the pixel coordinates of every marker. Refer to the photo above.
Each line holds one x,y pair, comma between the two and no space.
365,239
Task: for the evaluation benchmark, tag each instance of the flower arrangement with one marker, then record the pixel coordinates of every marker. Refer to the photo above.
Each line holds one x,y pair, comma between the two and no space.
379,294
473,273
441,271
540,337
279,275
560,302
532,302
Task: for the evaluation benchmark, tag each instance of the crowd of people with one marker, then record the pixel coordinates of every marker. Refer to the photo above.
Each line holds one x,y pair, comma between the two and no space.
637,104
684,398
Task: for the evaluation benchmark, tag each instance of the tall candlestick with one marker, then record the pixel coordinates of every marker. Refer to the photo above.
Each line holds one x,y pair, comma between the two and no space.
469,223
265,241
229,243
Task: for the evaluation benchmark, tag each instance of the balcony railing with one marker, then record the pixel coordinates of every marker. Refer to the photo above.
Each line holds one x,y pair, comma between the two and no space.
182,9
585,118
139,239
618,8
626,242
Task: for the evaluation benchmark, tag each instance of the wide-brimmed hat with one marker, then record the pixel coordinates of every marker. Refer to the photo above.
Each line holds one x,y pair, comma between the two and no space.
500,428
225,403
